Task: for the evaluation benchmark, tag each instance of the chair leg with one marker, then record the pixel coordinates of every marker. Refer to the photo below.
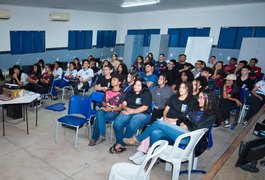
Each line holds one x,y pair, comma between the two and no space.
76,136
111,131
176,170
63,94
56,132
190,166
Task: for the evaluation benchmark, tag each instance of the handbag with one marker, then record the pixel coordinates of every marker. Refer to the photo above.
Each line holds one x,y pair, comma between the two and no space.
259,130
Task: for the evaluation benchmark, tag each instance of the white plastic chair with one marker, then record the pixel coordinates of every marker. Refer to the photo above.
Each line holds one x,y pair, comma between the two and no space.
176,155
128,171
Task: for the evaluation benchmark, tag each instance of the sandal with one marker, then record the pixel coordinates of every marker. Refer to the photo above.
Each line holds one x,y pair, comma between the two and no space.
120,150
100,140
92,142
113,149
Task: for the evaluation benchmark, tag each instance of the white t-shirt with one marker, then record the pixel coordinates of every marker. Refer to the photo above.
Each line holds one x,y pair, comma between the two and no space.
23,78
58,72
68,73
261,85
84,74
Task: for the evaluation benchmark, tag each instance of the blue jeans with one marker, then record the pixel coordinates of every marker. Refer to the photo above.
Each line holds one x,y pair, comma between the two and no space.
99,128
132,122
60,83
161,130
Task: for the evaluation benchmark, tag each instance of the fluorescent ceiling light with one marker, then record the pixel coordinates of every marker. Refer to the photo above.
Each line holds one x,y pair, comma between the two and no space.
138,3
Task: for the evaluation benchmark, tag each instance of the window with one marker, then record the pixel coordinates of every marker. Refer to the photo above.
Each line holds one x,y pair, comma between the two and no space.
146,32
79,40
106,39
178,37
23,42
232,37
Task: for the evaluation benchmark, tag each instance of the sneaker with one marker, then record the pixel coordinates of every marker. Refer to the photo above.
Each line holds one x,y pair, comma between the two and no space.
227,123
139,160
245,123
136,155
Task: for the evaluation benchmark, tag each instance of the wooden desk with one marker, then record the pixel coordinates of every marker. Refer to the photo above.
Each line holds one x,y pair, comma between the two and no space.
24,101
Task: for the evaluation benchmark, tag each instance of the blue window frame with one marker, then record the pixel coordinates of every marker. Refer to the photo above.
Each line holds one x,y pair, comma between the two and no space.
259,32
227,38
23,42
80,39
106,38
146,32
241,33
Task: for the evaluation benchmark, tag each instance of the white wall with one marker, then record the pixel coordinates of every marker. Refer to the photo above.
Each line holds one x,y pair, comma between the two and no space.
31,18
214,17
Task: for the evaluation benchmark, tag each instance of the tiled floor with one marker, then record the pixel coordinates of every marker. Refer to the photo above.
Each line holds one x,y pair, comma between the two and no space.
37,156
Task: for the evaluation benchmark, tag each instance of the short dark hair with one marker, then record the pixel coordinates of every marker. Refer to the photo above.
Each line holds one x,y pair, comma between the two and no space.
162,54
233,58
182,55
254,59
213,57
247,67
244,62
118,76
109,66
173,61
17,67
149,63
208,69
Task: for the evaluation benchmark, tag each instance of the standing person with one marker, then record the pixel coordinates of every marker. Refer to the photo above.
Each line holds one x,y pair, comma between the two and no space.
229,98
69,75
114,61
84,77
161,63
45,81
136,114
212,61
111,106
256,100
33,79
19,77
104,81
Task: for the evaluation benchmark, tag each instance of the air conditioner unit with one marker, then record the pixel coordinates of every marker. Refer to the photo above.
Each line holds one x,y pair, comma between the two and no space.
56,16
4,13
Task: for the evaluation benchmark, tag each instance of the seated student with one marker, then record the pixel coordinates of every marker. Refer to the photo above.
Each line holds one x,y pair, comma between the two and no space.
219,74
19,77
198,67
241,63
185,76
256,71
57,71
78,65
114,61
84,77
201,115
230,68
45,81
42,65
128,86
111,106
104,81
229,98
2,81
136,106
211,62
149,75
122,70
244,81
256,100
207,73
160,95
69,74
161,63
172,73
198,85
33,79
182,65
138,65
103,64
92,65
150,58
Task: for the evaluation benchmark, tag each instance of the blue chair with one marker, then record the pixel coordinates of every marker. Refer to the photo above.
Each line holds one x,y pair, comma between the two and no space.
77,105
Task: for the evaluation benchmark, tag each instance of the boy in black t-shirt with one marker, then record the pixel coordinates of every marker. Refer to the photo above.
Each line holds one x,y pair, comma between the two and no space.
104,81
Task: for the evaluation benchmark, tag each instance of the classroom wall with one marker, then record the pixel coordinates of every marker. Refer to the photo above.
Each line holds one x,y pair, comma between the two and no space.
31,18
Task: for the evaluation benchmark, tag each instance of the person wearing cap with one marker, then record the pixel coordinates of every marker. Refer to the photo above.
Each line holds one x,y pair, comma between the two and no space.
229,98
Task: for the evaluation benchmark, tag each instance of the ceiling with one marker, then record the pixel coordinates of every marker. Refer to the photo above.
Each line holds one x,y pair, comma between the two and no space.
113,6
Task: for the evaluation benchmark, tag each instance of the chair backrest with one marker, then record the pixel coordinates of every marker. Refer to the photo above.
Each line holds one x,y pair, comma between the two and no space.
193,137
152,155
97,96
79,105
210,137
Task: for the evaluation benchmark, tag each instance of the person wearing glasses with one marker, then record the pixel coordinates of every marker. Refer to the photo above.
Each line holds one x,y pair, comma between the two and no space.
202,115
